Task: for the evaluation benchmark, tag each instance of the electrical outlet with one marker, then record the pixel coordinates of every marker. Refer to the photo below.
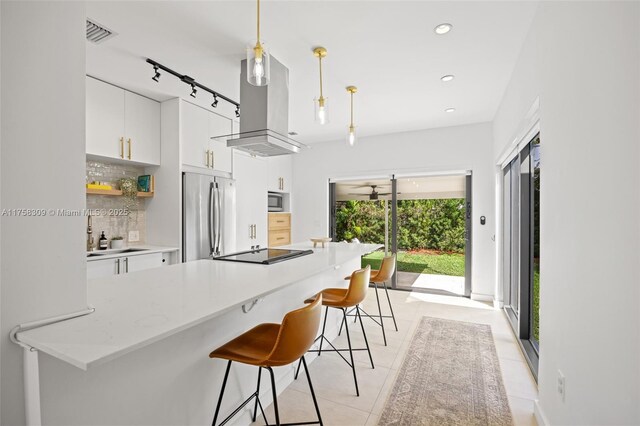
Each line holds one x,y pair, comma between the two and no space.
561,385
134,236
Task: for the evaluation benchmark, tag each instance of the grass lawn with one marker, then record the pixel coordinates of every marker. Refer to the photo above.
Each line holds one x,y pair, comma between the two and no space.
536,301
424,263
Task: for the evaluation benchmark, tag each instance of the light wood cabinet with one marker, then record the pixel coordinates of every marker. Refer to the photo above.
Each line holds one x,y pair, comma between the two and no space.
121,124
279,229
199,126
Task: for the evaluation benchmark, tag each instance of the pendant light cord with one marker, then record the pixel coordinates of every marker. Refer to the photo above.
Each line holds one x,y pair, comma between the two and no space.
258,22
320,59
351,109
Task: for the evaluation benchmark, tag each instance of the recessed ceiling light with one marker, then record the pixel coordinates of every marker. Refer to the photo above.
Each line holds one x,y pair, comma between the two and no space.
443,29
447,77
450,110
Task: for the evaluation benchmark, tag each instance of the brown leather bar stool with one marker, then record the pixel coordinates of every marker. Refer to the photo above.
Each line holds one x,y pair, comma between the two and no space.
273,345
343,299
381,276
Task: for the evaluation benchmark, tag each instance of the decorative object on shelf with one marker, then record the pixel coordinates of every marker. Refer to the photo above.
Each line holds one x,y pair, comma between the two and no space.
321,241
322,116
117,242
192,84
258,69
146,183
351,136
129,188
99,185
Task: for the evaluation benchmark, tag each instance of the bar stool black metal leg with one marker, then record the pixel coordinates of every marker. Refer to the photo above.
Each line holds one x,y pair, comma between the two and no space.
384,336
366,342
353,364
324,325
390,307
295,376
255,408
313,394
275,395
224,384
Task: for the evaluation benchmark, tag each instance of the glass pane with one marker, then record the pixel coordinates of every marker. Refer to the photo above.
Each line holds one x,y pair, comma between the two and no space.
535,207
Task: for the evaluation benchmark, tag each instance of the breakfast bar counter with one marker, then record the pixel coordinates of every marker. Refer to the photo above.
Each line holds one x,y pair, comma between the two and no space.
137,309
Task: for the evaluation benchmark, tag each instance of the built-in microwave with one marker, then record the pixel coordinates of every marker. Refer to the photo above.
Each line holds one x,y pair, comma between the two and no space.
275,202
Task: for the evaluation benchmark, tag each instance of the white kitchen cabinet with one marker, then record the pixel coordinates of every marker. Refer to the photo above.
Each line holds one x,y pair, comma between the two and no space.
103,268
280,171
251,200
221,157
198,149
142,262
122,265
142,128
121,125
195,136
105,119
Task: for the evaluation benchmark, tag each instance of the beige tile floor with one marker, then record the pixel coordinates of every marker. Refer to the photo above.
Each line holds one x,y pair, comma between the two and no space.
333,380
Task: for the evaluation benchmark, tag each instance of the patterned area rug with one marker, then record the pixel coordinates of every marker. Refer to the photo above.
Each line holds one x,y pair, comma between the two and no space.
450,376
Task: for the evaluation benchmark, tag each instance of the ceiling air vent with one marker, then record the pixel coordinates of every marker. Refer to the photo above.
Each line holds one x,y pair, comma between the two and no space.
97,33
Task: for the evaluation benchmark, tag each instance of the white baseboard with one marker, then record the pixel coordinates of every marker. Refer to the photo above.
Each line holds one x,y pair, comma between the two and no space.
498,304
540,417
482,297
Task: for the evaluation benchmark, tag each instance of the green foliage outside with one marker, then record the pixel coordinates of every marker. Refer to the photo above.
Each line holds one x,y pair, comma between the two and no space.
422,224
423,263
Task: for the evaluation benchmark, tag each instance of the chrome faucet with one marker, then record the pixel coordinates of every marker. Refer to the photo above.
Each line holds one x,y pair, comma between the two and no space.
89,235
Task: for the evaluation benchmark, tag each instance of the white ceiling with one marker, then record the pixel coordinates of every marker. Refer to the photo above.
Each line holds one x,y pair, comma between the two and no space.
386,48
412,188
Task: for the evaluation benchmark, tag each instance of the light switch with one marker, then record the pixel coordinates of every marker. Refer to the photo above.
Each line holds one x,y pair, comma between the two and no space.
134,236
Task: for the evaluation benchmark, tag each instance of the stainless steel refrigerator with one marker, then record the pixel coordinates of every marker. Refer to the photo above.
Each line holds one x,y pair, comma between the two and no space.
208,216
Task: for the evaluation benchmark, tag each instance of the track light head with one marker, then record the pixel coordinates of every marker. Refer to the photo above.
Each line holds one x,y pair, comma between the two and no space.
238,111
193,90
215,101
156,77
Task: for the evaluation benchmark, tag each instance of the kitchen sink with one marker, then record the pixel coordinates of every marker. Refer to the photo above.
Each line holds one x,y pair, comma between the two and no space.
114,251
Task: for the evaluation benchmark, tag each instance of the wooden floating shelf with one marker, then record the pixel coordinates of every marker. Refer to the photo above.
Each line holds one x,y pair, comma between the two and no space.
116,192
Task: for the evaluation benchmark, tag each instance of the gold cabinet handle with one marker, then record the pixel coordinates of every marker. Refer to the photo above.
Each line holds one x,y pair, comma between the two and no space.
129,153
208,152
121,147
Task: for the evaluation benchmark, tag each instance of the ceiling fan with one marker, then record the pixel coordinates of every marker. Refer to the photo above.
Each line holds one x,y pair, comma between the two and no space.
374,194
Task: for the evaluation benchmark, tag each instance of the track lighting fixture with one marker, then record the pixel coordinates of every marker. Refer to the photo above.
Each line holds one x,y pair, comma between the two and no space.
322,116
193,84
258,70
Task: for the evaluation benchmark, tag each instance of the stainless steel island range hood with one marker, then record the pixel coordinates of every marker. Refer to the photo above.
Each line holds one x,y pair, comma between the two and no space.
264,122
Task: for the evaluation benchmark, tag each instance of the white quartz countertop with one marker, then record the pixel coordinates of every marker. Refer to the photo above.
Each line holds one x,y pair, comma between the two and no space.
136,309
141,249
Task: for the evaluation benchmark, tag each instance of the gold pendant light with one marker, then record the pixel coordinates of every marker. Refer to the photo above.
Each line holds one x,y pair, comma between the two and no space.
321,111
258,70
351,136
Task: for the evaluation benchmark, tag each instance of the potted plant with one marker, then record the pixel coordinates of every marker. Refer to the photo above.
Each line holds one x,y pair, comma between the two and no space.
129,188
117,242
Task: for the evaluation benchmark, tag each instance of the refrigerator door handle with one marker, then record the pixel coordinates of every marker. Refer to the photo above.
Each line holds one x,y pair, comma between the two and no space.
212,237
219,227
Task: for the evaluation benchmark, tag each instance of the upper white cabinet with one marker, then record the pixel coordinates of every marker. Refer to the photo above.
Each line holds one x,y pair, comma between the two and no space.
280,171
198,149
251,200
121,124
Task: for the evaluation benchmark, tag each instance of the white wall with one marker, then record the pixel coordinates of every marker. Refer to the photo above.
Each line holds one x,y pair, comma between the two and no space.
42,165
583,61
443,149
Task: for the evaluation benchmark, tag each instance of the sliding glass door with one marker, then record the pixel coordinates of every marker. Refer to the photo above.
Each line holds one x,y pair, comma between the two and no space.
521,246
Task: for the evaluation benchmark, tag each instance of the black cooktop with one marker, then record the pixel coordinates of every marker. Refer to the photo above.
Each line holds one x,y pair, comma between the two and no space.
266,256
